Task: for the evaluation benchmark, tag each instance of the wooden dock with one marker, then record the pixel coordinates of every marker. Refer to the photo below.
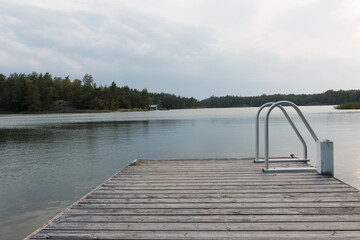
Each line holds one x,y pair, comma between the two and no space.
210,199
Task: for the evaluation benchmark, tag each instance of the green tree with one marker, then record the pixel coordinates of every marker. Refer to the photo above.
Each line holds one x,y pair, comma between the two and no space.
87,93
3,94
32,96
16,92
88,80
76,91
144,100
45,83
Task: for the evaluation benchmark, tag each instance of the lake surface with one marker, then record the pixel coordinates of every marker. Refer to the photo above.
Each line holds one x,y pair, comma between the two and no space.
48,161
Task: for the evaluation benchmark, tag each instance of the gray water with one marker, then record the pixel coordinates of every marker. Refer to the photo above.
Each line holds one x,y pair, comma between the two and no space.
48,161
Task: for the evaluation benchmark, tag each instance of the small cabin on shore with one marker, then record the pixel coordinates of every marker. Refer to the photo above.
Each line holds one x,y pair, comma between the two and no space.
153,107
60,105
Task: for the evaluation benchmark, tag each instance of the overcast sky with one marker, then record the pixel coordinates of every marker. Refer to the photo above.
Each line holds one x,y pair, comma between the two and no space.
193,48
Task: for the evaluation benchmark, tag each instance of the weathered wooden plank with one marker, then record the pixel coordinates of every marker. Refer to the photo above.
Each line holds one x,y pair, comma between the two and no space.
220,205
226,191
172,182
241,196
234,176
230,169
286,174
114,199
225,180
169,165
208,218
194,169
197,235
218,174
219,226
218,161
214,183
224,187
209,177
224,211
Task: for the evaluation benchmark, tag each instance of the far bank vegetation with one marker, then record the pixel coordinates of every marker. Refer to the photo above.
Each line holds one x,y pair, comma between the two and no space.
36,92
352,105
42,92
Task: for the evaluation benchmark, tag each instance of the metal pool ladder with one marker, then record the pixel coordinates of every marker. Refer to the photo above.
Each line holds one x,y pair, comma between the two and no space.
266,159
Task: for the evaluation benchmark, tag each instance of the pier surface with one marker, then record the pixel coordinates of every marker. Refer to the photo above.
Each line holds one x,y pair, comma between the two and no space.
211,199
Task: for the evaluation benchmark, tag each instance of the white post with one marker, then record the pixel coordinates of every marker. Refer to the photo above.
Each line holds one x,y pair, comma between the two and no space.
325,157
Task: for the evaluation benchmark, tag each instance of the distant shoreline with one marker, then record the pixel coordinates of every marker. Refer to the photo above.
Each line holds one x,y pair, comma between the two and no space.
348,106
345,106
42,93
72,111
77,111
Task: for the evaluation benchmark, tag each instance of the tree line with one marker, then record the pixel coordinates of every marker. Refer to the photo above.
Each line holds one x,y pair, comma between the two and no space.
329,97
42,92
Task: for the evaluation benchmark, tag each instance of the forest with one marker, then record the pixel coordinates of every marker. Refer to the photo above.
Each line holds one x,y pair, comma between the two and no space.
329,97
42,92
36,92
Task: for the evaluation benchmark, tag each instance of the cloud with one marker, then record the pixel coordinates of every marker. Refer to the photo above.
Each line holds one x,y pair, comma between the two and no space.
192,48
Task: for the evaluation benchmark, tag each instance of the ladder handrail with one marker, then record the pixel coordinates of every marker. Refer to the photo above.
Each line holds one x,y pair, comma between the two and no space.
289,120
281,103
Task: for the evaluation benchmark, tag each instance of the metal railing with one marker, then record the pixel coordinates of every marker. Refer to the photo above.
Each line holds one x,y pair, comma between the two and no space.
257,159
280,105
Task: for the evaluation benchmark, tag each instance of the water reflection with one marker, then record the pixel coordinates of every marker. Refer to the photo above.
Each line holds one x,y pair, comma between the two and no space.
50,161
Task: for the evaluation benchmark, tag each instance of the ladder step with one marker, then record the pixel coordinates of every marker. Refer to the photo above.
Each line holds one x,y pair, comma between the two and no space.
283,160
280,170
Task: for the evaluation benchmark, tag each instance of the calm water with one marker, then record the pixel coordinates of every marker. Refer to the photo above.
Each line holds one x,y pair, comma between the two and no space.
50,161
